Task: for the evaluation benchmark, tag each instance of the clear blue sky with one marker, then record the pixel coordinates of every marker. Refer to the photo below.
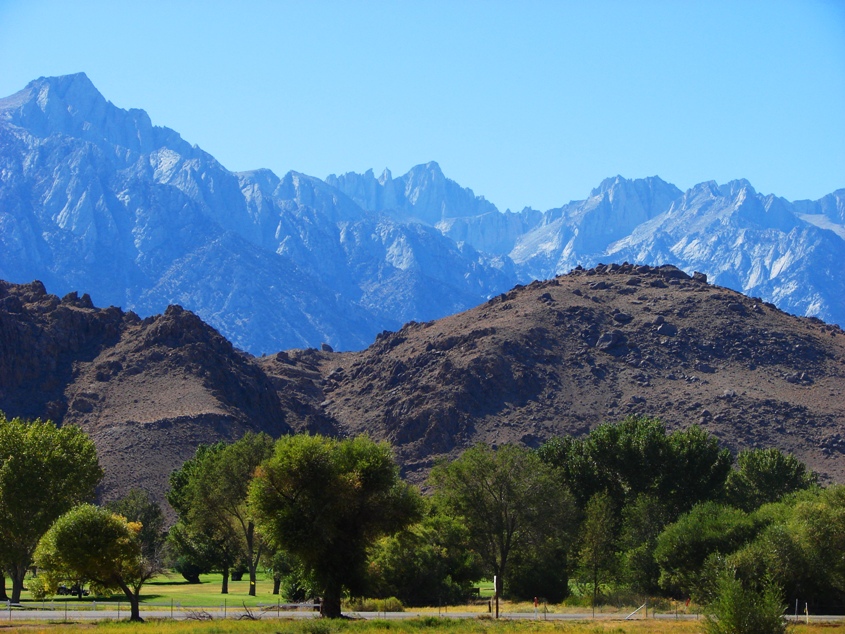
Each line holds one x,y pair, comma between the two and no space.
527,103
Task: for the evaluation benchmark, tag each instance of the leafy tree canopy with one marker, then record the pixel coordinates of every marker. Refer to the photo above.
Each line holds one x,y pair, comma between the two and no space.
326,501
766,475
426,564
137,506
637,456
94,544
216,528
44,471
508,500
685,545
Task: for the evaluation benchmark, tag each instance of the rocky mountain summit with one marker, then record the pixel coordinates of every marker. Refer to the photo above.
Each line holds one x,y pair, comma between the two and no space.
96,197
550,358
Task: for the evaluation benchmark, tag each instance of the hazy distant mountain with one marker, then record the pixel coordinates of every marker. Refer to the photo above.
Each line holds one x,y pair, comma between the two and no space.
97,199
94,197
786,253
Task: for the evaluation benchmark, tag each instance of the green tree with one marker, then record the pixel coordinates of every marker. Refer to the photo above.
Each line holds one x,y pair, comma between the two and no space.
326,502
191,558
597,552
817,523
799,547
776,554
137,506
766,475
508,500
636,456
541,570
643,519
426,564
697,471
220,496
740,609
209,492
44,471
92,543
281,564
684,547
198,547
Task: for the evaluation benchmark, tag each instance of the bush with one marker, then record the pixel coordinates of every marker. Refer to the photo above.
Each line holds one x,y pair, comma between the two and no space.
359,604
739,609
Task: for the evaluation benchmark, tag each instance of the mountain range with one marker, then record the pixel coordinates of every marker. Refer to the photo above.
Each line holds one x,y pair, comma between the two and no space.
550,358
97,198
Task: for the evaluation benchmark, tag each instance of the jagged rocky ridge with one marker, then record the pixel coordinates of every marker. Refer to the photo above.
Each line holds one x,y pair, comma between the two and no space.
551,358
96,197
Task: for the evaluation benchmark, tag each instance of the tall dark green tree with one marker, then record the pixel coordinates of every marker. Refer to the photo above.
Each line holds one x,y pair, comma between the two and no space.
44,472
204,546
697,470
508,499
222,488
643,519
137,506
597,552
215,498
326,502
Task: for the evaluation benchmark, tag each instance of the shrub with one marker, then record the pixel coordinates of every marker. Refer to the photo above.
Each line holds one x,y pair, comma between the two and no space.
739,609
360,604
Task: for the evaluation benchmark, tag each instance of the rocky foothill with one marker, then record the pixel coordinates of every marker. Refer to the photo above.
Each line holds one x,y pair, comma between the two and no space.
551,358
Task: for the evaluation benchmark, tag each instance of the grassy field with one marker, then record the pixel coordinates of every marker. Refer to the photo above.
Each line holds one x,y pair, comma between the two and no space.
415,626
171,588
163,589
167,590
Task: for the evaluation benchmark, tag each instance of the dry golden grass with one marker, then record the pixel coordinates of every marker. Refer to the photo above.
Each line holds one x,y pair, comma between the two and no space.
412,626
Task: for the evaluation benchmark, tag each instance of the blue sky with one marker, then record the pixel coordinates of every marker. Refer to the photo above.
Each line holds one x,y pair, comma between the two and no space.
528,103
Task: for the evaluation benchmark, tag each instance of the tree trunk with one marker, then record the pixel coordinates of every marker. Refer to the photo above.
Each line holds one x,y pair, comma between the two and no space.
253,563
225,588
18,572
330,605
134,610
252,579
3,595
277,583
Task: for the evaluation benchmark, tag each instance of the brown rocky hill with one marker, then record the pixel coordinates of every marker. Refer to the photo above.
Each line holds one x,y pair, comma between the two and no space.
147,391
561,356
555,357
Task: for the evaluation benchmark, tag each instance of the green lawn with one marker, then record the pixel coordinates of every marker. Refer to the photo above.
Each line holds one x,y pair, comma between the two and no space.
163,589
